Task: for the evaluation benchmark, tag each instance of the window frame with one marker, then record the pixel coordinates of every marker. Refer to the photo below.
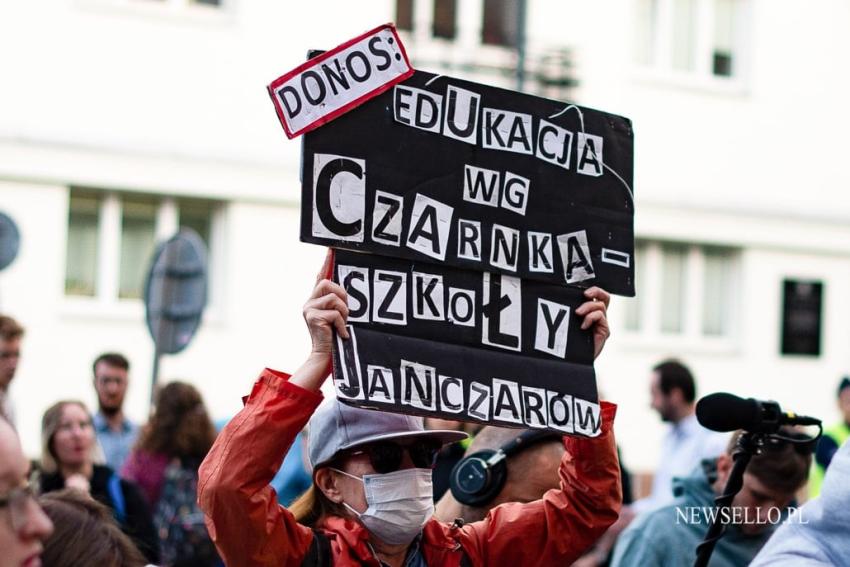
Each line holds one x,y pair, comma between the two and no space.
660,64
106,302
693,337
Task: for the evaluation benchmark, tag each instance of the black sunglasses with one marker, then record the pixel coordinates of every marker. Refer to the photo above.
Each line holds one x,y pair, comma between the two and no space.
386,456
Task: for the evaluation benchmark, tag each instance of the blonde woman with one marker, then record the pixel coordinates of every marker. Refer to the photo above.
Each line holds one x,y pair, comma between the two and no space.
68,461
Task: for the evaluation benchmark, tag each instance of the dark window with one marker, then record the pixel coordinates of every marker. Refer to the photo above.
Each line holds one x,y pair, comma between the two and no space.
802,303
444,18
500,22
404,14
722,64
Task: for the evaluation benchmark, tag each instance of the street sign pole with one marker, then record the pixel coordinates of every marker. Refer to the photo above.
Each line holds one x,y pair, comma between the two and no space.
10,241
175,296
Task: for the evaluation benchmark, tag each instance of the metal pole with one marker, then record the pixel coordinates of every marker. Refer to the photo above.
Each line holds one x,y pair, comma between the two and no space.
520,45
155,376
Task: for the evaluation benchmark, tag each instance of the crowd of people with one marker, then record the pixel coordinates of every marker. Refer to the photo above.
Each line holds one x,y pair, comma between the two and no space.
295,480
113,493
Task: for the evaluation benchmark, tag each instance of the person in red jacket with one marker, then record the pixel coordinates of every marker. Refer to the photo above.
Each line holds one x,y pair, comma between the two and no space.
371,500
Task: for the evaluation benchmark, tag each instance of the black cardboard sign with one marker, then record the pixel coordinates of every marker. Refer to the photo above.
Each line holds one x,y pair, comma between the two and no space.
447,171
440,341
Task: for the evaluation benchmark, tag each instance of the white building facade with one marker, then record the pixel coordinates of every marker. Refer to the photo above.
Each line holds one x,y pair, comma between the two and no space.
122,120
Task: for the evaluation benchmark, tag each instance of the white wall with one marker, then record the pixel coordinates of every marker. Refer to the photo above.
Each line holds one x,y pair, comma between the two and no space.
755,164
144,95
152,96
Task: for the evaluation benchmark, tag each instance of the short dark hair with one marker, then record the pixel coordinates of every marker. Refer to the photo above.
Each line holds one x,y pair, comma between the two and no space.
844,384
782,465
673,374
112,359
10,329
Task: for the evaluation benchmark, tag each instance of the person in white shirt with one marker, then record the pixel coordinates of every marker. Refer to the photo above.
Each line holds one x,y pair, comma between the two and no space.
686,443
684,446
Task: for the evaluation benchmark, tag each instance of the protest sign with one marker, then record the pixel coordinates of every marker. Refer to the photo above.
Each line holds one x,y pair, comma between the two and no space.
466,219
338,80
441,170
433,340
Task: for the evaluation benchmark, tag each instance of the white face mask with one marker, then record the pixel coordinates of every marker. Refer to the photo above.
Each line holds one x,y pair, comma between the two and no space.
399,503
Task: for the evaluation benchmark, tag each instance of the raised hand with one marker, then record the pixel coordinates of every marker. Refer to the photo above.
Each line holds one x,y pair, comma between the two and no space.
595,315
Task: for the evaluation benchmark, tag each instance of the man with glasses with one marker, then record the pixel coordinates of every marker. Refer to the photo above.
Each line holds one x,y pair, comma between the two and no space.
11,334
371,502
115,433
23,525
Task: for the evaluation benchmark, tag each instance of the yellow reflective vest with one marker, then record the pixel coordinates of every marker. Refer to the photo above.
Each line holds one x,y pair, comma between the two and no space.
838,433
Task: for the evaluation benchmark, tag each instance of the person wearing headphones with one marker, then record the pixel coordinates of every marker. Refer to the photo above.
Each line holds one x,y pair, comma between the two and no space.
501,465
371,501
506,465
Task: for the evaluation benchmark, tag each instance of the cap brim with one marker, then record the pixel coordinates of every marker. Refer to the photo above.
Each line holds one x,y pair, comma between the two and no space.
444,436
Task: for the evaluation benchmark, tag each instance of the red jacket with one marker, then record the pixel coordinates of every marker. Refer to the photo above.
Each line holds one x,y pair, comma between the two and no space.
250,528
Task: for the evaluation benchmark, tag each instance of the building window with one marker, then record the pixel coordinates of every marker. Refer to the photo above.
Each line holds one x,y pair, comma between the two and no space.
197,214
682,290
138,237
404,15
82,252
646,34
634,305
684,34
673,274
717,292
723,45
445,12
500,23
692,37
112,238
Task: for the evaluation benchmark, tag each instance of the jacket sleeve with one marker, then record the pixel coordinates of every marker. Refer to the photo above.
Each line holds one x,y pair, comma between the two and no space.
557,529
244,519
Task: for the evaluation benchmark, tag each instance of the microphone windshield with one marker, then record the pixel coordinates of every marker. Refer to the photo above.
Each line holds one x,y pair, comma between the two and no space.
727,412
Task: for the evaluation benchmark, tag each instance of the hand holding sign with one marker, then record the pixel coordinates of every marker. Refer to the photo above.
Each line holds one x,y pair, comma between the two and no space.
325,311
595,313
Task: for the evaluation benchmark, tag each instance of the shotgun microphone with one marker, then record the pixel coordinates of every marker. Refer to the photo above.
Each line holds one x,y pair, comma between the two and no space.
726,412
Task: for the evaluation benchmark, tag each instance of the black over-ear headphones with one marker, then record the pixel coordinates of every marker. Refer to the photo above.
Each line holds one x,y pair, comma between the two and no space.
478,478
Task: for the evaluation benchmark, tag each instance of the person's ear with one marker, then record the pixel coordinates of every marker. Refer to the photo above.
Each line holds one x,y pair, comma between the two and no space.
677,396
326,481
724,466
